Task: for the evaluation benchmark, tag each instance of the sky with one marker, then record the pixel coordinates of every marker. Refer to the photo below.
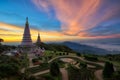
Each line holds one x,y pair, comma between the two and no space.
60,20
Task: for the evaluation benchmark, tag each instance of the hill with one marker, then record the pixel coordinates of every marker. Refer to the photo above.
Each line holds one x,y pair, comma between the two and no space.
56,47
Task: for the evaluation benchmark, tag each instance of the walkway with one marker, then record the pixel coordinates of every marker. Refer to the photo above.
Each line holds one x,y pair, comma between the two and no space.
80,58
97,73
64,74
42,72
62,70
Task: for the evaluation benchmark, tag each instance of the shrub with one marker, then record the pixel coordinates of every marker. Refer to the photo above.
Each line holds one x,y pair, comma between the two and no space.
67,53
83,65
91,58
60,54
35,60
78,54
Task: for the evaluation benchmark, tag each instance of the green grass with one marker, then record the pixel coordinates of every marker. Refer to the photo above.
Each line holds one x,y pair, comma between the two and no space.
52,54
42,67
48,53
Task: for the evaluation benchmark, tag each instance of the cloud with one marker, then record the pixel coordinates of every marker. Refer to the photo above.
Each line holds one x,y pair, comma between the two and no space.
79,19
12,33
79,16
105,36
103,30
44,4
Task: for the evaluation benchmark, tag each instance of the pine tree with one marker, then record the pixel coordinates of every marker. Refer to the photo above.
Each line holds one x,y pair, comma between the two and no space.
108,70
54,69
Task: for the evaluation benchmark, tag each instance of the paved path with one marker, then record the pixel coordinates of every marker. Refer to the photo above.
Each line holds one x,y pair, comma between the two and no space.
30,56
42,72
22,70
62,70
64,74
80,58
98,74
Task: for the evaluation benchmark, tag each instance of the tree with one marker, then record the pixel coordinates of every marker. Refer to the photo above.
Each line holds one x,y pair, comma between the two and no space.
91,58
80,74
1,40
7,70
9,66
54,69
108,70
86,74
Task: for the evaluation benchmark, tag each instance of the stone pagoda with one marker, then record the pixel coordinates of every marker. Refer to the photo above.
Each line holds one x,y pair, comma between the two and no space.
27,41
38,39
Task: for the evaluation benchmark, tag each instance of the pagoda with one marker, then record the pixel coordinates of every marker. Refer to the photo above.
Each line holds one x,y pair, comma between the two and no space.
27,41
38,39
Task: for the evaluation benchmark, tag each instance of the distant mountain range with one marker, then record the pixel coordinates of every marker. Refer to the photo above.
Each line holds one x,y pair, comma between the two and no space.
88,49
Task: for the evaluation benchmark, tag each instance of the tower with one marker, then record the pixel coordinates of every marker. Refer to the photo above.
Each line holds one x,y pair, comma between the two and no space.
38,39
26,41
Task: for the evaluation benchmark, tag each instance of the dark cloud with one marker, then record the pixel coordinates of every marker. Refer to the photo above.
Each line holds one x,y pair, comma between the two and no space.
104,30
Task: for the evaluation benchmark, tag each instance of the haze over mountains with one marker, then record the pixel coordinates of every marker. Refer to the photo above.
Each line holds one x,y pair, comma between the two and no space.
102,46
84,48
109,47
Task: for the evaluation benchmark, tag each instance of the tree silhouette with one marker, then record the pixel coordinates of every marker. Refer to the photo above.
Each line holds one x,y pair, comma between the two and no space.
54,69
108,70
1,40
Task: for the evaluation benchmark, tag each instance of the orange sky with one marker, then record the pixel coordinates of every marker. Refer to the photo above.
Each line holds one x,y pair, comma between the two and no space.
60,20
12,33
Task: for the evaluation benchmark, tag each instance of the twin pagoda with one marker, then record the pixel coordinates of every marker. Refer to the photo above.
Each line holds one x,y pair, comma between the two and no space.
27,41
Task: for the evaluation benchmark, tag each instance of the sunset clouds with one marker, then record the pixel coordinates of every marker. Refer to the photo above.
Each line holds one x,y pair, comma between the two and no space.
60,20
79,16
11,33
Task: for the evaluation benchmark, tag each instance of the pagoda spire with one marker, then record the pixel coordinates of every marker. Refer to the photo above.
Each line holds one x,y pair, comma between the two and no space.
38,39
27,21
26,41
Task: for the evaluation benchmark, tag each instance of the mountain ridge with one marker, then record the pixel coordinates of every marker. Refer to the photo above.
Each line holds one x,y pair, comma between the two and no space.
80,48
